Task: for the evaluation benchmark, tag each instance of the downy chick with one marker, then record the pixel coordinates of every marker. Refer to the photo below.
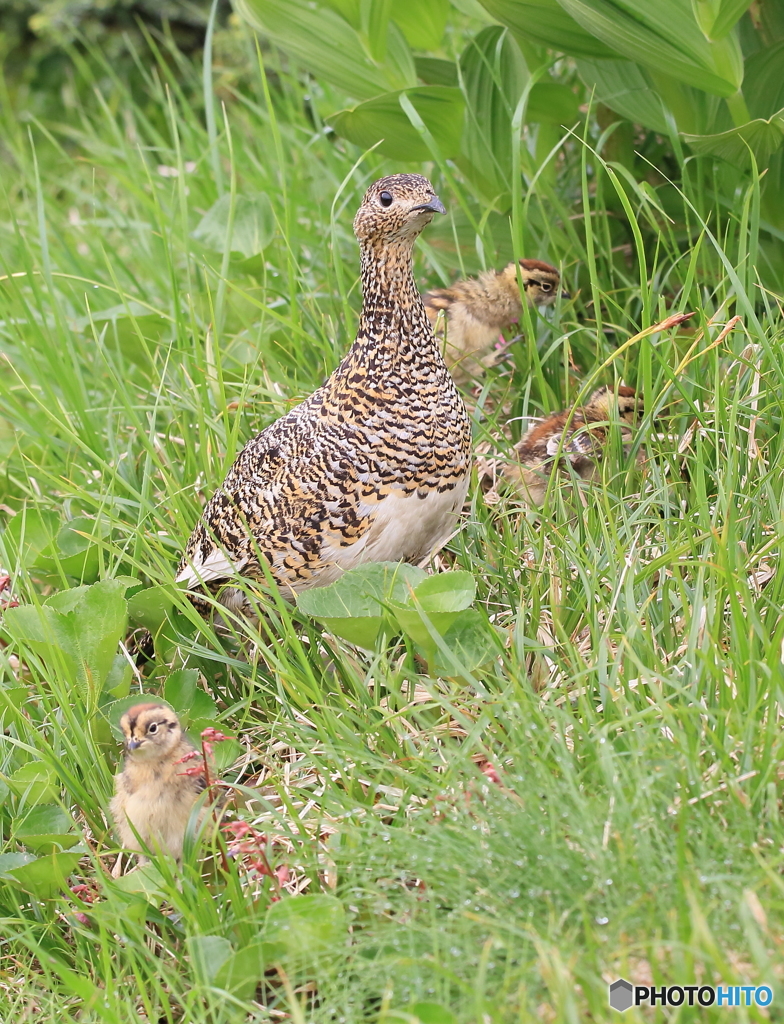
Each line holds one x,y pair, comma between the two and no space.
576,436
474,311
152,793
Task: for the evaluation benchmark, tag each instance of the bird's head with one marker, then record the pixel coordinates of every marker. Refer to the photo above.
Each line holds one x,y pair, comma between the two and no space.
395,209
150,731
541,282
627,407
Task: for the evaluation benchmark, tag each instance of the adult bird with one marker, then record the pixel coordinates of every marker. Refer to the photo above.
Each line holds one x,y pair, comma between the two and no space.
374,465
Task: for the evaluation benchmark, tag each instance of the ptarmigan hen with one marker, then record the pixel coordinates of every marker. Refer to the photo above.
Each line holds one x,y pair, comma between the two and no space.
375,464
470,314
576,436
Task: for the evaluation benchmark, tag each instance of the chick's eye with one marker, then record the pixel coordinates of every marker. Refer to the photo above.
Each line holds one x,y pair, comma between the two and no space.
546,286
386,198
152,728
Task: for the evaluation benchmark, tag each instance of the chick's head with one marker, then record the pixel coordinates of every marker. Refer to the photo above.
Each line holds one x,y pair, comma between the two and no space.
396,209
151,731
628,405
540,280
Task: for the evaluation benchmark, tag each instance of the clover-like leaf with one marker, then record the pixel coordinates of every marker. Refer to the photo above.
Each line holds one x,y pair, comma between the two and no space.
353,606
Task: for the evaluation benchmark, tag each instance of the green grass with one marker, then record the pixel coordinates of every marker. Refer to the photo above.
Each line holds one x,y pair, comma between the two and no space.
634,714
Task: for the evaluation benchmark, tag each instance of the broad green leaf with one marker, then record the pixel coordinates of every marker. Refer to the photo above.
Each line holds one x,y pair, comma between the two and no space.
150,607
146,879
207,953
762,137
4,791
79,628
441,598
118,682
331,50
763,85
551,103
9,861
718,17
252,228
350,10
352,607
29,534
427,1012
450,591
422,24
242,971
471,641
12,698
42,876
546,23
46,826
494,76
35,782
663,35
414,624
374,27
306,925
75,550
202,705
434,71
180,689
624,87
382,118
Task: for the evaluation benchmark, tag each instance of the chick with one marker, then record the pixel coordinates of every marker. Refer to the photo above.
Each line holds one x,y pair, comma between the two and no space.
152,793
469,316
576,436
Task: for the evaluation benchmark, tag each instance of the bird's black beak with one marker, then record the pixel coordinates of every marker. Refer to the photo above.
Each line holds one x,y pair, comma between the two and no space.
435,206
132,745
565,295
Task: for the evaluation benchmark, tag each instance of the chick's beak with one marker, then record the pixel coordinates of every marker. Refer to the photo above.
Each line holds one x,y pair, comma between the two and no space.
565,295
434,205
132,744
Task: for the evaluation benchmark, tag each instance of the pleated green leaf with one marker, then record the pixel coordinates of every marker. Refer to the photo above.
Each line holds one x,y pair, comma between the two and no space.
546,23
494,76
663,34
763,86
421,23
624,87
434,71
330,48
762,137
552,103
383,120
718,17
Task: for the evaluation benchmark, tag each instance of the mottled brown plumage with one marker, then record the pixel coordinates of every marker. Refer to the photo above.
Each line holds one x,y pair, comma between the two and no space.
374,465
153,796
577,437
469,315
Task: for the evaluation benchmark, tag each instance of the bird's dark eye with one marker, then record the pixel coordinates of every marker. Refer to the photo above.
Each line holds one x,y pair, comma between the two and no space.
546,286
386,198
153,727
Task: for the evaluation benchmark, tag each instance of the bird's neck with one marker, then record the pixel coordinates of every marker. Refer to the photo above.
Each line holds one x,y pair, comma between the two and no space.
393,320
